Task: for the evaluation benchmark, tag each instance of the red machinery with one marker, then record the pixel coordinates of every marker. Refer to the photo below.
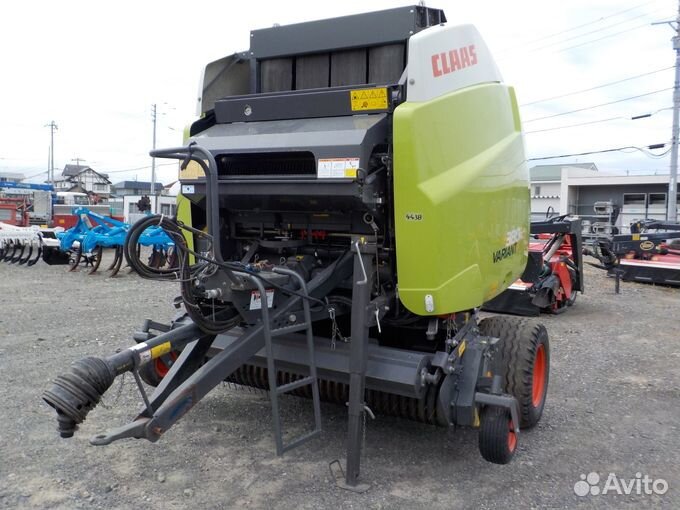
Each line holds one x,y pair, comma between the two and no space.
554,272
645,255
14,211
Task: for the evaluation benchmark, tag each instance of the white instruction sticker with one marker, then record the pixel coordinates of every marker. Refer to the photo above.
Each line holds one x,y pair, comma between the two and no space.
337,168
256,300
187,189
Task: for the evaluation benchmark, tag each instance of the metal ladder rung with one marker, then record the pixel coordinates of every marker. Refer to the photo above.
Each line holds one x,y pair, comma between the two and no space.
289,329
301,440
311,380
295,384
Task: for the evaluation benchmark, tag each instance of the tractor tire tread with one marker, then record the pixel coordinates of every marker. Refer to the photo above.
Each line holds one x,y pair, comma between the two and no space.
519,341
493,436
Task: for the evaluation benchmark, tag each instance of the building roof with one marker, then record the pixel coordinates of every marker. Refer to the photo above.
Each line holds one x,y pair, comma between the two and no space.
554,172
73,170
12,176
137,185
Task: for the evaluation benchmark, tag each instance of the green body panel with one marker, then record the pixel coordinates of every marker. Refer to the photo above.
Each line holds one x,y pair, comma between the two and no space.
461,198
184,204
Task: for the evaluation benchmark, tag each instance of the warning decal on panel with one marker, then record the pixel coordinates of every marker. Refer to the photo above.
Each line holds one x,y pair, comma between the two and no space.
368,99
337,168
256,300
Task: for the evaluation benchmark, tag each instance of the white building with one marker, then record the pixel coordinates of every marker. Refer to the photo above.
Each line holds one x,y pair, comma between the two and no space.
83,179
546,187
621,197
126,206
11,176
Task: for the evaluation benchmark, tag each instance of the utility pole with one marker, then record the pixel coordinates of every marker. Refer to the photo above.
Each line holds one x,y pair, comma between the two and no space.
672,214
153,161
78,160
50,170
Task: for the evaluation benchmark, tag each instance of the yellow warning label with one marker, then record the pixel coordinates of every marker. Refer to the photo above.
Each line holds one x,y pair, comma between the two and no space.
368,99
461,348
159,350
192,171
635,237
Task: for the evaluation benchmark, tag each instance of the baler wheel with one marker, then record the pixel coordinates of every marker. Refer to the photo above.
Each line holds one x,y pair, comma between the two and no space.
524,357
497,439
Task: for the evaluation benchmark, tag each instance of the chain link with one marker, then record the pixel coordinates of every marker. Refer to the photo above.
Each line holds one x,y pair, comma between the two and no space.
335,330
118,394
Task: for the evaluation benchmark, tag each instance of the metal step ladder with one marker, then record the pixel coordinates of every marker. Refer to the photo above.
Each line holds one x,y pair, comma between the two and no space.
311,379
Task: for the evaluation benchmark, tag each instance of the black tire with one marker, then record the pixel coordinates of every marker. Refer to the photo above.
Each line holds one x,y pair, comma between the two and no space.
574,293
497,441
524,362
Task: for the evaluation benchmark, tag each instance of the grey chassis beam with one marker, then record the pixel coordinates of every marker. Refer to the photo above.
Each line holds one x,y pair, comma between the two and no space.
172,406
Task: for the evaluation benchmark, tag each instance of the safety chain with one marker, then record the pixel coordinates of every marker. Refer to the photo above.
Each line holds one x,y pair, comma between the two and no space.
335,330
118,394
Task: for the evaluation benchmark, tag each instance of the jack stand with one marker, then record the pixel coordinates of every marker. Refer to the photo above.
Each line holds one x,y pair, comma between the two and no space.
361,295
617,282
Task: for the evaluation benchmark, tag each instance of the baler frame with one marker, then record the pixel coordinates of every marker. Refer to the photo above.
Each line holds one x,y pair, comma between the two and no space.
465,384
329,148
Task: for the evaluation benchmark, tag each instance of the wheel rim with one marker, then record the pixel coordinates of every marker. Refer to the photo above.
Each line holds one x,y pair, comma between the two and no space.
538,384
512,437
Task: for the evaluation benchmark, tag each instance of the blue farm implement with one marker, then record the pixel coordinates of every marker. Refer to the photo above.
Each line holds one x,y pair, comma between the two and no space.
93,232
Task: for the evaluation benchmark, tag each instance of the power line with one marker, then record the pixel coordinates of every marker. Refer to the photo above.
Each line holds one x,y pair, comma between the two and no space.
618,23
597,87
598,105
637,27
644,150
635,117
582,25
36,175
139,168
603,37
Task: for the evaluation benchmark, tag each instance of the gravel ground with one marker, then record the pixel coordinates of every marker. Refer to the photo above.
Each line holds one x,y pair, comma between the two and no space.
612,408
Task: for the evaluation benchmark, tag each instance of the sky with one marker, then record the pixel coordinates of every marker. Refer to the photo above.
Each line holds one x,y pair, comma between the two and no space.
96,69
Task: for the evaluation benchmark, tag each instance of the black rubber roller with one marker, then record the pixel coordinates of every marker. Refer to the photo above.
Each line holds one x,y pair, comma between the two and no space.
77,392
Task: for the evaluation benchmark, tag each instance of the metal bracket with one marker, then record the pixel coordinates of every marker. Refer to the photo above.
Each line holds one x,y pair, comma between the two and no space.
505,401
134,430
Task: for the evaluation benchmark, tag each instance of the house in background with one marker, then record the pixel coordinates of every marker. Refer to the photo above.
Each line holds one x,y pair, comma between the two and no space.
546,187
11,176
614,197
129,193
84,179
125,188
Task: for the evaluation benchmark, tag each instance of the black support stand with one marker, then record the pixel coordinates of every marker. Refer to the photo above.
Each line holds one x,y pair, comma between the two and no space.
361,295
